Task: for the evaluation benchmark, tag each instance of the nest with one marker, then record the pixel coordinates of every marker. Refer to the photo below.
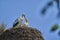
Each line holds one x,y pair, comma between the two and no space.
21,33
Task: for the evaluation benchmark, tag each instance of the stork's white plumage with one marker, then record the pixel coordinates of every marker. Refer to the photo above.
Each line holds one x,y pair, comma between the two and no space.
19,21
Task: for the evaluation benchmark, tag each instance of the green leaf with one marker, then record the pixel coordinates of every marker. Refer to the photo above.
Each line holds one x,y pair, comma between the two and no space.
59,33
46,7
50,3
54,28
57,1
44,10
58,14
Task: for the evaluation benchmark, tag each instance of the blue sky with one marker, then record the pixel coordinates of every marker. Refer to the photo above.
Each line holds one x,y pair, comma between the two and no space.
11,9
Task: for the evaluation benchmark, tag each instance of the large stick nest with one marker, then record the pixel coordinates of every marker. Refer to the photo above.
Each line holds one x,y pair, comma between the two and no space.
21,33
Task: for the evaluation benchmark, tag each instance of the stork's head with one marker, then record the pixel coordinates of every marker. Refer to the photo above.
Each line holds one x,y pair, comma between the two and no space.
23,16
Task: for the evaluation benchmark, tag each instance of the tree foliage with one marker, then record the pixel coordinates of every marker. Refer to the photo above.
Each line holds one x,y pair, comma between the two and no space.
50,4
43,12
54,28
59,33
